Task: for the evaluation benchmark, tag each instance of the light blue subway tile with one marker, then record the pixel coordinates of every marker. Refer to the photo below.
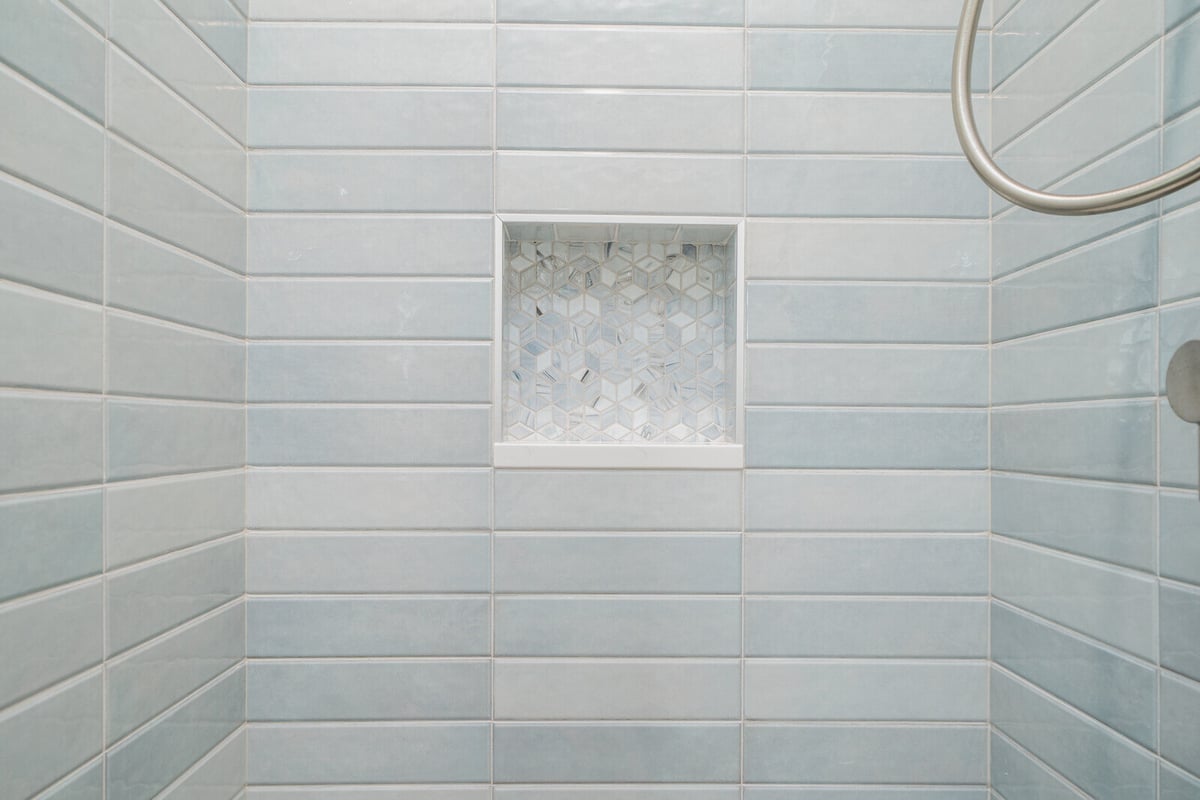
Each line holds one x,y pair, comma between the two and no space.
1179,618
857,122
368,752
1178,144
147,114
574,689
1015,774
865,754
1181,91
1115,606
88,784
49,244
614,120
1085,129
1110,523
1179,10
819,13
644,12
367,690
1108,441
875,564
844,186
612,57
367,373
50,639
393,792
161,42
863,627
221,774
152,359
146,601
1179,537
1078,672
50,441
94,11
152,278
220,25
46,740
618,500
866,376
1107,360
1114,29
1029,28
362,562
1022,237
140,767
368,436
934,250
1176,449
357,246
625,564
367,499
150,680
369,309
599,183
1114,276
857,60
352,117
376,10
150,519
616,753
880,501
1088,754
618,792
42,40
50,343
626,626
368,626
1177,325
874,793
49,540
893,313
445,55
145,196
149,438
370,181
70,162
866,690
1180,238
861,439
1176,784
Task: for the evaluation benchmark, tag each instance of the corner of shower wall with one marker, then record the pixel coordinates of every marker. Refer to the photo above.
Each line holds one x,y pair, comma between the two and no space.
122,399
1095,587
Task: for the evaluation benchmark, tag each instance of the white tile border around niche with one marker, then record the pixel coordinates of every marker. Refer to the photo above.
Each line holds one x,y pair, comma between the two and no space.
617,455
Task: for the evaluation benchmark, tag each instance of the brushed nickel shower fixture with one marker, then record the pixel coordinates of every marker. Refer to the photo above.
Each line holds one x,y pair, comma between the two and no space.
1028,197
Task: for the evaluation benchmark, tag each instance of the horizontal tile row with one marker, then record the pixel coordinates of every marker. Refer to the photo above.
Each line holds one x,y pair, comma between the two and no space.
613,752
378,626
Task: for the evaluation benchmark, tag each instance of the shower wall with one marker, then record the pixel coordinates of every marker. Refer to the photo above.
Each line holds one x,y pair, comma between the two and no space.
1095,562
122,248
421,625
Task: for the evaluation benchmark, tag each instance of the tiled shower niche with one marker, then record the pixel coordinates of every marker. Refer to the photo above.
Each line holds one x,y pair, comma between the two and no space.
619,333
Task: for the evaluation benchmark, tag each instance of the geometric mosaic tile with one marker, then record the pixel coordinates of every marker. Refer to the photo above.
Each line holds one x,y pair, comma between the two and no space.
619,342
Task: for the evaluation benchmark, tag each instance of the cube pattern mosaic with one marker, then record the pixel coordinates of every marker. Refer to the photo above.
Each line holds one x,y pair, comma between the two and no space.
619,342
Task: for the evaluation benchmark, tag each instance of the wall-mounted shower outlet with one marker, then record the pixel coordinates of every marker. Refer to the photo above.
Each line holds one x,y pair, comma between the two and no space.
619,343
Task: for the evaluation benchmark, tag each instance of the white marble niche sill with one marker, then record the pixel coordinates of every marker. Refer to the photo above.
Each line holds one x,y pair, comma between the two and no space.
618,455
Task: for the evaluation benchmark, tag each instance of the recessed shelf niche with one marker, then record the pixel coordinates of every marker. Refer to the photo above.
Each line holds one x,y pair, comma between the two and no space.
624,335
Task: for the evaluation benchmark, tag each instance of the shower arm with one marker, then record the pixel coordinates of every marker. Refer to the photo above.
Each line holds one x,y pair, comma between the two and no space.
1019,193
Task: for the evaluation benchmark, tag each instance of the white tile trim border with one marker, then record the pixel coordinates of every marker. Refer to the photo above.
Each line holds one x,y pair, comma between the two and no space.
617,455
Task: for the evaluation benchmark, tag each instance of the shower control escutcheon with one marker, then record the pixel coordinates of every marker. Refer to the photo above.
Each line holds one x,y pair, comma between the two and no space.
1183,382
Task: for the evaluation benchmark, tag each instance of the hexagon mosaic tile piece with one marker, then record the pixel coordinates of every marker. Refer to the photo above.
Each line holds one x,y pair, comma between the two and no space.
619,342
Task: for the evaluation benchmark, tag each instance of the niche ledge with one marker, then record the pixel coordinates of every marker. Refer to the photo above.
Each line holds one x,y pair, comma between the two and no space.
619,343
